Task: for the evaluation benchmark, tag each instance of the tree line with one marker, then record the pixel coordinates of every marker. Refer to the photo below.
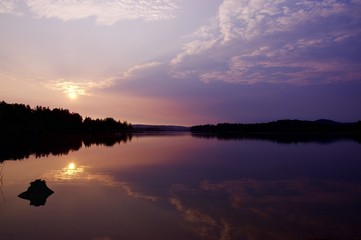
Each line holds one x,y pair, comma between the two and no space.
22,119
282,131
321,126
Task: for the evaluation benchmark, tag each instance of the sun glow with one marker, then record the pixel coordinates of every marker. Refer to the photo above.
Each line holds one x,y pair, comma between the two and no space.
72,95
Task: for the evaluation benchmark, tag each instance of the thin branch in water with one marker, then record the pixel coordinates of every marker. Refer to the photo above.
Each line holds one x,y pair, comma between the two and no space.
1,180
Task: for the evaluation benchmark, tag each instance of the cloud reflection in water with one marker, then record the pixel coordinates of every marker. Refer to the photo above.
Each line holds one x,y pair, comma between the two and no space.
83,174
299,208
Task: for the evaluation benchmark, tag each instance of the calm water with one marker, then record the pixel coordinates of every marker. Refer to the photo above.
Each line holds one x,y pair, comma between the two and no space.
183,187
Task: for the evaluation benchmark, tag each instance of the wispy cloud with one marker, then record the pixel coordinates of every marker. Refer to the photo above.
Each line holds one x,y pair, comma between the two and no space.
86,88
6,6
138,68
105,12
203,38
80,88
281,41
250,19
133,71
251,71
9,7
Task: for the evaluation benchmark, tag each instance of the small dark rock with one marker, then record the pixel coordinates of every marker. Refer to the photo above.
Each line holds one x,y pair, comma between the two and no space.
37,193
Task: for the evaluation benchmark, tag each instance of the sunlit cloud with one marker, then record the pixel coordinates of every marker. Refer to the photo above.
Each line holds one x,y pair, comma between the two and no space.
138,68
203,38
78,88
297,42
105,12
87,88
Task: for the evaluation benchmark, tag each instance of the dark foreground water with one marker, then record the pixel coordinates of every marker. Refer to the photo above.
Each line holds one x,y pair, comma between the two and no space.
182,187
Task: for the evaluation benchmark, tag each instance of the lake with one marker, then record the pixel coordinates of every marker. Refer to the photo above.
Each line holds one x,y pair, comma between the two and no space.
179,186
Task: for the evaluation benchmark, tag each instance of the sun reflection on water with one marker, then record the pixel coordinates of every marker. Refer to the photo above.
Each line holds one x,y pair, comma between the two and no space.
71,166
79,173
71,171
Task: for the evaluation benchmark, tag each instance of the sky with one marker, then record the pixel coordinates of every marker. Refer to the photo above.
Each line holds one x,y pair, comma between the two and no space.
184,62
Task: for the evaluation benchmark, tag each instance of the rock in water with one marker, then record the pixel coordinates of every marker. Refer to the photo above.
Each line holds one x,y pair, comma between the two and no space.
37,193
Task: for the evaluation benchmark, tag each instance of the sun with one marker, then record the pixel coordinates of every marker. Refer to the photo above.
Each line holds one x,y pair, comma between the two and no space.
72,95
71,166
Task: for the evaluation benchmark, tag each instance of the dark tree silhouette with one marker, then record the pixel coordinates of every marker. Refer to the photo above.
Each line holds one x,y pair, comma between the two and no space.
18,119
283,131
104,125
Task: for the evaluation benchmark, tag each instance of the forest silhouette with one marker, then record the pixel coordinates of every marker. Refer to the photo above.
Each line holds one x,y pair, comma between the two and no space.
21,119
283,131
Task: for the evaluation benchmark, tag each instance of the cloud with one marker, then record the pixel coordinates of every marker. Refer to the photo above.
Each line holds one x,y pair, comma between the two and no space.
138,68
250,19
106,12
204,37
79,88
86,88
282,41
6,6
9,7
251,71
134,71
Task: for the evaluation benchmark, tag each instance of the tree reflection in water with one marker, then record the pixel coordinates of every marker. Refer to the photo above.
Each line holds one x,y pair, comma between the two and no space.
18,148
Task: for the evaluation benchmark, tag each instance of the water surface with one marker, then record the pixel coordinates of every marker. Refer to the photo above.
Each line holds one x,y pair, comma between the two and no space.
183,187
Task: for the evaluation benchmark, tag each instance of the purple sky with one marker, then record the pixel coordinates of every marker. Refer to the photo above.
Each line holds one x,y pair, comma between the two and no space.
184,62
